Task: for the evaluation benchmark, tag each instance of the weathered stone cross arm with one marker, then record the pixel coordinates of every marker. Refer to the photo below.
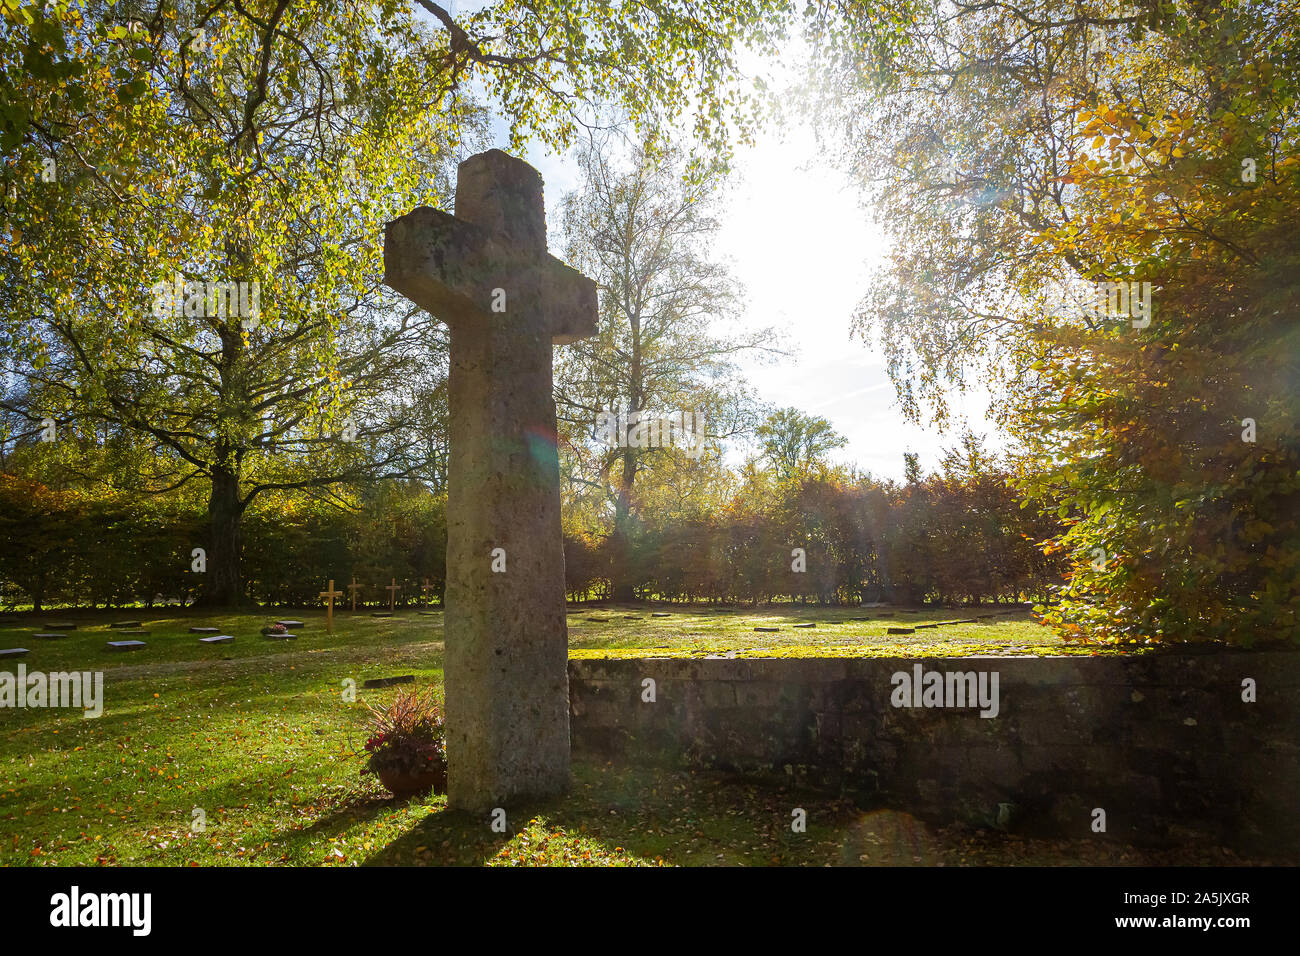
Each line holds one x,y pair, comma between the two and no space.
453,266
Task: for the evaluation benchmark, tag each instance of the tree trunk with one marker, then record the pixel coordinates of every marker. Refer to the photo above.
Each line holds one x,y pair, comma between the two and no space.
620,570
222,584
621,589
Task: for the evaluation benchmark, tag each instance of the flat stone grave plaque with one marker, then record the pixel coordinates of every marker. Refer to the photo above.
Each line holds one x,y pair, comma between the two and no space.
60,627
14,652
134,630
219,639
968,621
660,614
921,627
49,635
900,630
631,617
290,624
767,629
126,624
203,630
594,618
389,681
125,645
806,625
273,636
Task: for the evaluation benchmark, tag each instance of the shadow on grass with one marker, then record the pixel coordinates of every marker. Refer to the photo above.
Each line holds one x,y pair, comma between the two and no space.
446,838
632,817
638,816
361,809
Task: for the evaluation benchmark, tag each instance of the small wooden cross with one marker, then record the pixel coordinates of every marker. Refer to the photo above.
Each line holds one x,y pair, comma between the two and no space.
426,589
354,588
329,596
392,590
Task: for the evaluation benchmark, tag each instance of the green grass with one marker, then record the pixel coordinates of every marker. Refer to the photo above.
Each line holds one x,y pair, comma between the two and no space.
837,632
257,735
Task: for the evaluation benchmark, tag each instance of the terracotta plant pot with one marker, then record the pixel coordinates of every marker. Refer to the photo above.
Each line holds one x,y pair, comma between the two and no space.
401,784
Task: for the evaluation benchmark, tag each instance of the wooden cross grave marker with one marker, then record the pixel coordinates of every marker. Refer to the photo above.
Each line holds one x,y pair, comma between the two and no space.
329,596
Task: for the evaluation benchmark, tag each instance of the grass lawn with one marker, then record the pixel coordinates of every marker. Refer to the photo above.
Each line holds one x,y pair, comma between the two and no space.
257,735
836,632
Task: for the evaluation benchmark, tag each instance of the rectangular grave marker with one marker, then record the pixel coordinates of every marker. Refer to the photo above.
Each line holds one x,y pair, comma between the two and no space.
389,681
125,645
219,639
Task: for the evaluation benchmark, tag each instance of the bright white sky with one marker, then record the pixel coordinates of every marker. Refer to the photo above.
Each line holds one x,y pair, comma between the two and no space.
794,233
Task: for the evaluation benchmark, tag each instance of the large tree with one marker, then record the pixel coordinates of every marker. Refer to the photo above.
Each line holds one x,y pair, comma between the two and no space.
794,441
258,149
1021,153
643,231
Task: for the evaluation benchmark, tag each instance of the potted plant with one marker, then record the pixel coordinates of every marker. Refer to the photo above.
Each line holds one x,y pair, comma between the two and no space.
407,748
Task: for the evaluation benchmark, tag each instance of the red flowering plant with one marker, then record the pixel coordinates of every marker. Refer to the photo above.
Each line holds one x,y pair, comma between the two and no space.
406,736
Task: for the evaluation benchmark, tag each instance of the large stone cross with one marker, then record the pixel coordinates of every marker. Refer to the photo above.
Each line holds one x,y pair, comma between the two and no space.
486,273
